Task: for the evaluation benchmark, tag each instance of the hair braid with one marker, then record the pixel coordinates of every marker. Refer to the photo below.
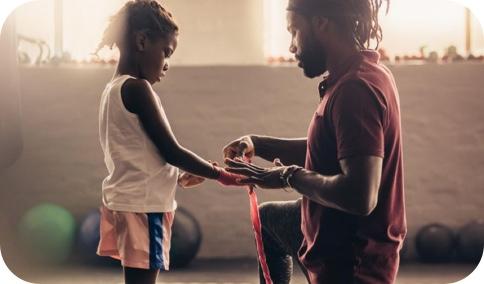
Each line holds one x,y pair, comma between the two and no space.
357,20
137,15
363,25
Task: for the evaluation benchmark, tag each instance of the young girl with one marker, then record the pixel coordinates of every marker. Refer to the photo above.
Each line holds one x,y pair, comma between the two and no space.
140,151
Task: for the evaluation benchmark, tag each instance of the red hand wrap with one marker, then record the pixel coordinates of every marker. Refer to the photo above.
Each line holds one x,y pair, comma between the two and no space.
257,228
226,178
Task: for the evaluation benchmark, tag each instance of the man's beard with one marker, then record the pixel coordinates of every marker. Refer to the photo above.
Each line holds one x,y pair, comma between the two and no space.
313,59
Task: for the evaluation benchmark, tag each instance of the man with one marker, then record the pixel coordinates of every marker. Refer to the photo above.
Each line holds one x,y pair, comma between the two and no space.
352,222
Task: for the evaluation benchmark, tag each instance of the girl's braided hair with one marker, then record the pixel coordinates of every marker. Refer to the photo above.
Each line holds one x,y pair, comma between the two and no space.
138,15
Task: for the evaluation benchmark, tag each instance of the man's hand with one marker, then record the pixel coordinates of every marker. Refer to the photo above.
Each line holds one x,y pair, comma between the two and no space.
269,178
186,180
243,146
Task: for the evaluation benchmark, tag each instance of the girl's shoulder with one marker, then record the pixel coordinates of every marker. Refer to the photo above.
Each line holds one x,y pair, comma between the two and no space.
136,85
136,93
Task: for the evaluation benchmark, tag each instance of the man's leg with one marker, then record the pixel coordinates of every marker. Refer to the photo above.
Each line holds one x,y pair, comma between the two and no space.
282,237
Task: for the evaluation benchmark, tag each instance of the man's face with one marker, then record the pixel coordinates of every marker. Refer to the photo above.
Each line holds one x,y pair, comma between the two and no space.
308,52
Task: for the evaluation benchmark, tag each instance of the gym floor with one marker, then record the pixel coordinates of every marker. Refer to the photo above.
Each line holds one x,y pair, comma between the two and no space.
233,272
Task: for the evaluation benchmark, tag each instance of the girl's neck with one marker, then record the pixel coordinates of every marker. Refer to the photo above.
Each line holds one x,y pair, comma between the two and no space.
127,66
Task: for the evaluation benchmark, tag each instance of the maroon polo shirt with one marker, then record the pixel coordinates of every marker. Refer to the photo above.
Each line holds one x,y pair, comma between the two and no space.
359,115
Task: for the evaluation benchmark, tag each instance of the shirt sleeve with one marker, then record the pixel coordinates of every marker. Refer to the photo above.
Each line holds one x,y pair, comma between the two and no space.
357,118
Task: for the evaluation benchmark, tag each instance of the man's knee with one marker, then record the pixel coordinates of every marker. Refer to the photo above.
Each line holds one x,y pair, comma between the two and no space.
275,209
266,209
272,213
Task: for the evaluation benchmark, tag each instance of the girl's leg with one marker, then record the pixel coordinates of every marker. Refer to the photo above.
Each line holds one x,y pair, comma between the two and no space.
140,276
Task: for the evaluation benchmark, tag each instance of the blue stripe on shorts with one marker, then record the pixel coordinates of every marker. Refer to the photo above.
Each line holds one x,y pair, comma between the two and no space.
155,225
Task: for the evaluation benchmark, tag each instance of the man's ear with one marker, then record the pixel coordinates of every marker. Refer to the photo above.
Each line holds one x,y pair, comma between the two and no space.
140,40
320,24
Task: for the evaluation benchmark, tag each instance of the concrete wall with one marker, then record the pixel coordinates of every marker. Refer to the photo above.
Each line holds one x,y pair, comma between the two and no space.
442,111
219,31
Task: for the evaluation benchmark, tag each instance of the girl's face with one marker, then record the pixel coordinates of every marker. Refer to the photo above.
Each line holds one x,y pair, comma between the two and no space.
154,57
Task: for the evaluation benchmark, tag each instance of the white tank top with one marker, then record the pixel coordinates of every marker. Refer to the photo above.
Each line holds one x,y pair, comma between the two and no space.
139,179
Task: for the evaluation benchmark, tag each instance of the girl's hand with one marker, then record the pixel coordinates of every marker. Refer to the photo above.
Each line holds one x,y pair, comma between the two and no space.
229,179
187,180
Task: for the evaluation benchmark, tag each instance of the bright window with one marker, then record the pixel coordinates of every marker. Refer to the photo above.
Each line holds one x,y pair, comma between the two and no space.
82,25
410,26
277,38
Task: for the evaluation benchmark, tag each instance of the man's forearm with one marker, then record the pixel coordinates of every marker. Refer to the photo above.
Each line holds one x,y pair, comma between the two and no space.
330,191
289,151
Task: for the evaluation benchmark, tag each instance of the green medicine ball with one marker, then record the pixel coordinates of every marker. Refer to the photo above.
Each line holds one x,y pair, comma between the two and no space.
47,233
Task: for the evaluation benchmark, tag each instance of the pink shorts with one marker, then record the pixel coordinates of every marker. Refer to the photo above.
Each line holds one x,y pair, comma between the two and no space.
139,240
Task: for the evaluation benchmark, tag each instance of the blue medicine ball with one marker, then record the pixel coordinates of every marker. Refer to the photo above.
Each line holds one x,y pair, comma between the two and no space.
89,232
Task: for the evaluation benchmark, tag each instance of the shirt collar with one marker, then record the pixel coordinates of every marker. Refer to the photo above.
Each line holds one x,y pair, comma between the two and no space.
329,79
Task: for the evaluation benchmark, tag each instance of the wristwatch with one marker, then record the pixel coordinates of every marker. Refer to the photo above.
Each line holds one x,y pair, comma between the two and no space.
286,176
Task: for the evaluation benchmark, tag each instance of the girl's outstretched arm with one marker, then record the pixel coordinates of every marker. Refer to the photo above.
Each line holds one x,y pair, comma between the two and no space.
139,98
